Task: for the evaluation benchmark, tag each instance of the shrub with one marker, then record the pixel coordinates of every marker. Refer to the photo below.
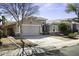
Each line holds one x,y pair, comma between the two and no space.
64,28
72,35
67,32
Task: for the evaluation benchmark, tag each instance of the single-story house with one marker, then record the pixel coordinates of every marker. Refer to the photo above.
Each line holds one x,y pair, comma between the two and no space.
53,25
30,26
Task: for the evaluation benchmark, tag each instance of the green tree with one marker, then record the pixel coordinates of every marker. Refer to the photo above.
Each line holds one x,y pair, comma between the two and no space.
73,7
63,27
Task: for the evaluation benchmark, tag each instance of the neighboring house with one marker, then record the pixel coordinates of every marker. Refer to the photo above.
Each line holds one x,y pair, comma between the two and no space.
73,26
53,26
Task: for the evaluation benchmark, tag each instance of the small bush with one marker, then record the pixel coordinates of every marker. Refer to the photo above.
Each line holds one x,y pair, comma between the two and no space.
64,28
72,35
67,32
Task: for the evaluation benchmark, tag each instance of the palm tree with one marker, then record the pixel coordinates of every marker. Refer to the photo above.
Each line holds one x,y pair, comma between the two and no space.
73,8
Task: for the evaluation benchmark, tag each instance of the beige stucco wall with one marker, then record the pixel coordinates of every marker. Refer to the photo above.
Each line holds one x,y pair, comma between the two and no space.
30,22
17,31
33,21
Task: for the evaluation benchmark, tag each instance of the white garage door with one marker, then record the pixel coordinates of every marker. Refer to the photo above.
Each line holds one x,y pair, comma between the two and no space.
31,29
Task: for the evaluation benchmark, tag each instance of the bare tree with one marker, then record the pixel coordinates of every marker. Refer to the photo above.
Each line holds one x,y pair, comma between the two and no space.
19,11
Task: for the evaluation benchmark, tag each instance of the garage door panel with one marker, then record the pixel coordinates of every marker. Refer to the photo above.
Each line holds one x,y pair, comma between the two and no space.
31,30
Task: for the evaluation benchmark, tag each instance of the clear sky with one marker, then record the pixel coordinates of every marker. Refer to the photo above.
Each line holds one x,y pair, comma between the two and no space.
54,11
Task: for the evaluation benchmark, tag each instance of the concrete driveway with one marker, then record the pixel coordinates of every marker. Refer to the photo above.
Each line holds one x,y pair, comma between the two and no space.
50,42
